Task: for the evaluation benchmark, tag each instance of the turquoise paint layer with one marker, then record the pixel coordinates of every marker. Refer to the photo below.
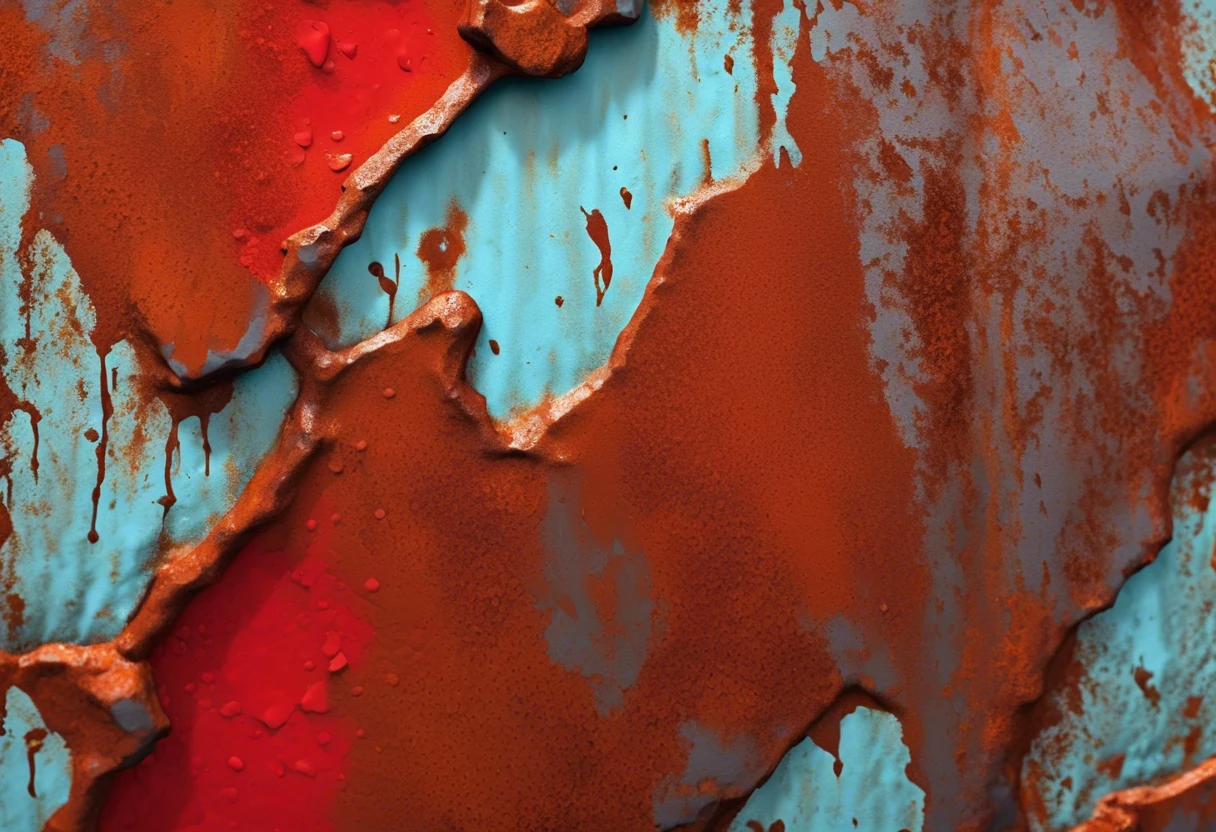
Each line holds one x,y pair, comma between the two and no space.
524,160
1162,622
872,793
19,812
77,591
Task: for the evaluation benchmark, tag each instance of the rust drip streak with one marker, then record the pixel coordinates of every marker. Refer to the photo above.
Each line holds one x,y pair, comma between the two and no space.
597,230
107,410
33,744
171,444
204,420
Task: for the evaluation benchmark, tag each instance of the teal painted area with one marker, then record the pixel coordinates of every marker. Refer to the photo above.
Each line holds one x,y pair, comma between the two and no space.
74,590
522,162
872,793
20,812
1162,622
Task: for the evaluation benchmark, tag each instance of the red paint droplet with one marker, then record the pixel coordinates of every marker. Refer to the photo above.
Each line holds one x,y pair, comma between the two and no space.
337,135
324,738
371,585
311,525
304,137
310,665
494,348
236,763
357,690
316,699
337,518
333,643
313,38
230,709
338,162
337,663
404,61
359,732
207,678
361,445
347,48
380,514
389,392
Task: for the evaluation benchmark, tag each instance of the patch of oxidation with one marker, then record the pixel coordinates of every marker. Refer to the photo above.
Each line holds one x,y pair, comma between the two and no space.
870,792
652,110
1027,277
35,767
1138,704
86,487
600,602
713,760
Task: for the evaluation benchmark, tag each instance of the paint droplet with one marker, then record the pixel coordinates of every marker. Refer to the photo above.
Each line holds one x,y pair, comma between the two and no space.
230,709
404,61
371,585
394,118
336,519
337,135
360,733
207,678
310,665
337,663
883,607
324,738
236,763
361,445
336,464
313,38
393,679
333,643
729,64
357,690
626,197
311,525
559,300
494,346
389,392
347,48
338,162
316,698
380,514
304,137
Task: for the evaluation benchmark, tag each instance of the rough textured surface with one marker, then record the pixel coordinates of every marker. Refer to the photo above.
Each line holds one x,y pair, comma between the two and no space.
898,408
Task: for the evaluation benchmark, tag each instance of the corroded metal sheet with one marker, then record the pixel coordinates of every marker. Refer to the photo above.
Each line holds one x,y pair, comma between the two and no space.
578,416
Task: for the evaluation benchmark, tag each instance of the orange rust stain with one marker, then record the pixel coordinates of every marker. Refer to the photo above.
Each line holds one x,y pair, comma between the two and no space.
165,155
441,249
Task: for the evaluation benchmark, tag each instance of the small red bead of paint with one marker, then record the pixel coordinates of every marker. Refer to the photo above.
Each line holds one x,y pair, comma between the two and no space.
337,663
371,585
389,392
338,162
324,738
236,763
347,48
379,514
313,38
361,445
359,732
207,678
230,709
311,525
304,137
310,665
337,135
